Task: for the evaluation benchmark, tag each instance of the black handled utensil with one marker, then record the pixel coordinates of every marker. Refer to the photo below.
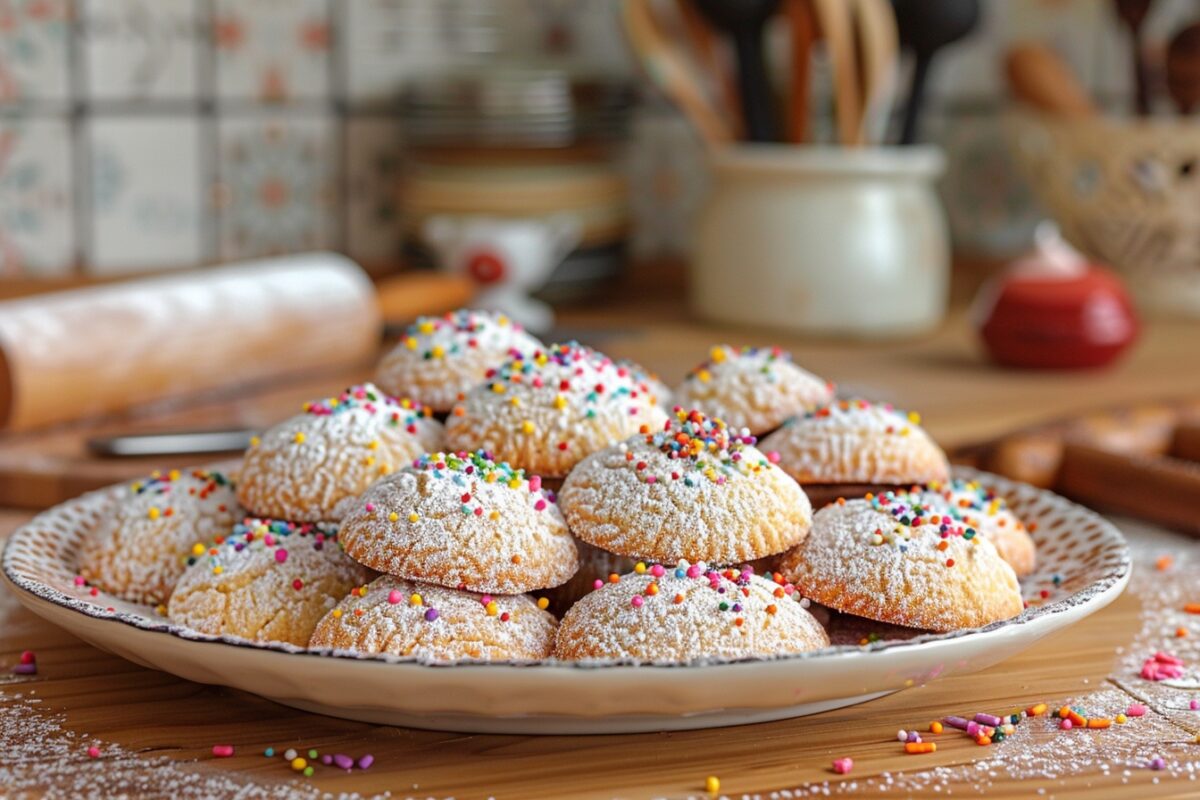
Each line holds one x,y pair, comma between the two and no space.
743,21
925,27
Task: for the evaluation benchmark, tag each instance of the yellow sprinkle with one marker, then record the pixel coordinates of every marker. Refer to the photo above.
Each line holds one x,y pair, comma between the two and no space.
514,401
540,359
712,785
527,427
716,355
492,608
498,388
560,402
373,444
410,342
173,475
543,603
299,437
299,764
515,483
502,320
413,517
153,513
1122,719
255,441
369,461
385,469
337,613
640,568
161,610
436,351
905,431
392,517
415,600
494,515
425,327
218,569
197,549
914,418
704,376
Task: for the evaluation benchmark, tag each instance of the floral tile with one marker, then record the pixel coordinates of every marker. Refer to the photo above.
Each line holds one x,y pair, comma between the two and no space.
36,230
34,36
140,49
146,193
276,187
373,160
272,51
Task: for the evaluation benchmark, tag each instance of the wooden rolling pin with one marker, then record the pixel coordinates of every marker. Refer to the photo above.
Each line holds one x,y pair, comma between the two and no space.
92,351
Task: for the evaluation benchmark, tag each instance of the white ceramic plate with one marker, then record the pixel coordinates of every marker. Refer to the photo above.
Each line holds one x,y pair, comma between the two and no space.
1084,565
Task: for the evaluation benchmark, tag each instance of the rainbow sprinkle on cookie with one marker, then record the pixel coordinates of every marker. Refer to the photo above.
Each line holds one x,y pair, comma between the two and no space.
702,445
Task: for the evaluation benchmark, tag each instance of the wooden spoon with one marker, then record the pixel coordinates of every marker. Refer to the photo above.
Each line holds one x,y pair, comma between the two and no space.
1037,76
1183,69
836,28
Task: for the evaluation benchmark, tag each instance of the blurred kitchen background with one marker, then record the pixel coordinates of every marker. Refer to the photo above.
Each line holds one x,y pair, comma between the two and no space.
159,134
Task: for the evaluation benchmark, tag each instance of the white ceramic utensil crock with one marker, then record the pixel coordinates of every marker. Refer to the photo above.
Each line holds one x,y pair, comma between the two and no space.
823,240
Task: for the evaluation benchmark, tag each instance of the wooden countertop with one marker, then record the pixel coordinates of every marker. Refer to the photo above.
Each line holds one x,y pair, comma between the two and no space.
149,715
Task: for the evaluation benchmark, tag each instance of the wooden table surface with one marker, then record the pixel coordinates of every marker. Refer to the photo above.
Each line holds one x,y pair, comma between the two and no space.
173,723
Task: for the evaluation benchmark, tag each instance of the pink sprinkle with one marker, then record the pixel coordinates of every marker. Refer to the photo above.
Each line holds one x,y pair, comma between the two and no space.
28,657
222,750
596,584
343,761
843,765
485,599
79,580
370,507
535,483
1136,710
657,570
637,601
280,555
773,457
394,596
1167,658
366,761
540,505
93,752
651,479
1195,704
693,571
1066,724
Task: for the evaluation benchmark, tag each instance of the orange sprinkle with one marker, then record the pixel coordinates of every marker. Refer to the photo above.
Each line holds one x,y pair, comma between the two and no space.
678,599
516,559
1164,563
771,609
1037,710
652,589
1180,633
1099,723
914,748
1076,718
935,727
614,578
358,612
943,544
738,622
983,741
1192,608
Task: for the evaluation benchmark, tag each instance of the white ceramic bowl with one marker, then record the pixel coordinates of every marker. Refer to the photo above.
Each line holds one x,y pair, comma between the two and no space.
1084,565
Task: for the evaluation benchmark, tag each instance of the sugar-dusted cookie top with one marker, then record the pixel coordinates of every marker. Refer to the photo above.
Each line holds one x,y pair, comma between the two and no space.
465,521
752,387
545,411
268,580
140,548
975,506
857,441
899,559
691,488
686,612
304,467
438,359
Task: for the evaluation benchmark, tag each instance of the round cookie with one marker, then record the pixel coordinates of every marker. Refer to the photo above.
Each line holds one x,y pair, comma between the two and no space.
686,612
405,618
690,489
975,506
660,391
896,559
752,387
851,447
462,520
438,359
546,411
139,551
306,467
268,580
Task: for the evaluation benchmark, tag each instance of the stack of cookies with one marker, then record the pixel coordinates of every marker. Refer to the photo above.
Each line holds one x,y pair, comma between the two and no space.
365,524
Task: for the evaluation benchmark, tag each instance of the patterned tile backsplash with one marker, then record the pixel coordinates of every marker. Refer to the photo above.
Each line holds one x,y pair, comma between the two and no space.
156,134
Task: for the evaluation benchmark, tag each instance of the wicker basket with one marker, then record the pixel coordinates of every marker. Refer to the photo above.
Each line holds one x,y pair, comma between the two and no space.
1126,193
